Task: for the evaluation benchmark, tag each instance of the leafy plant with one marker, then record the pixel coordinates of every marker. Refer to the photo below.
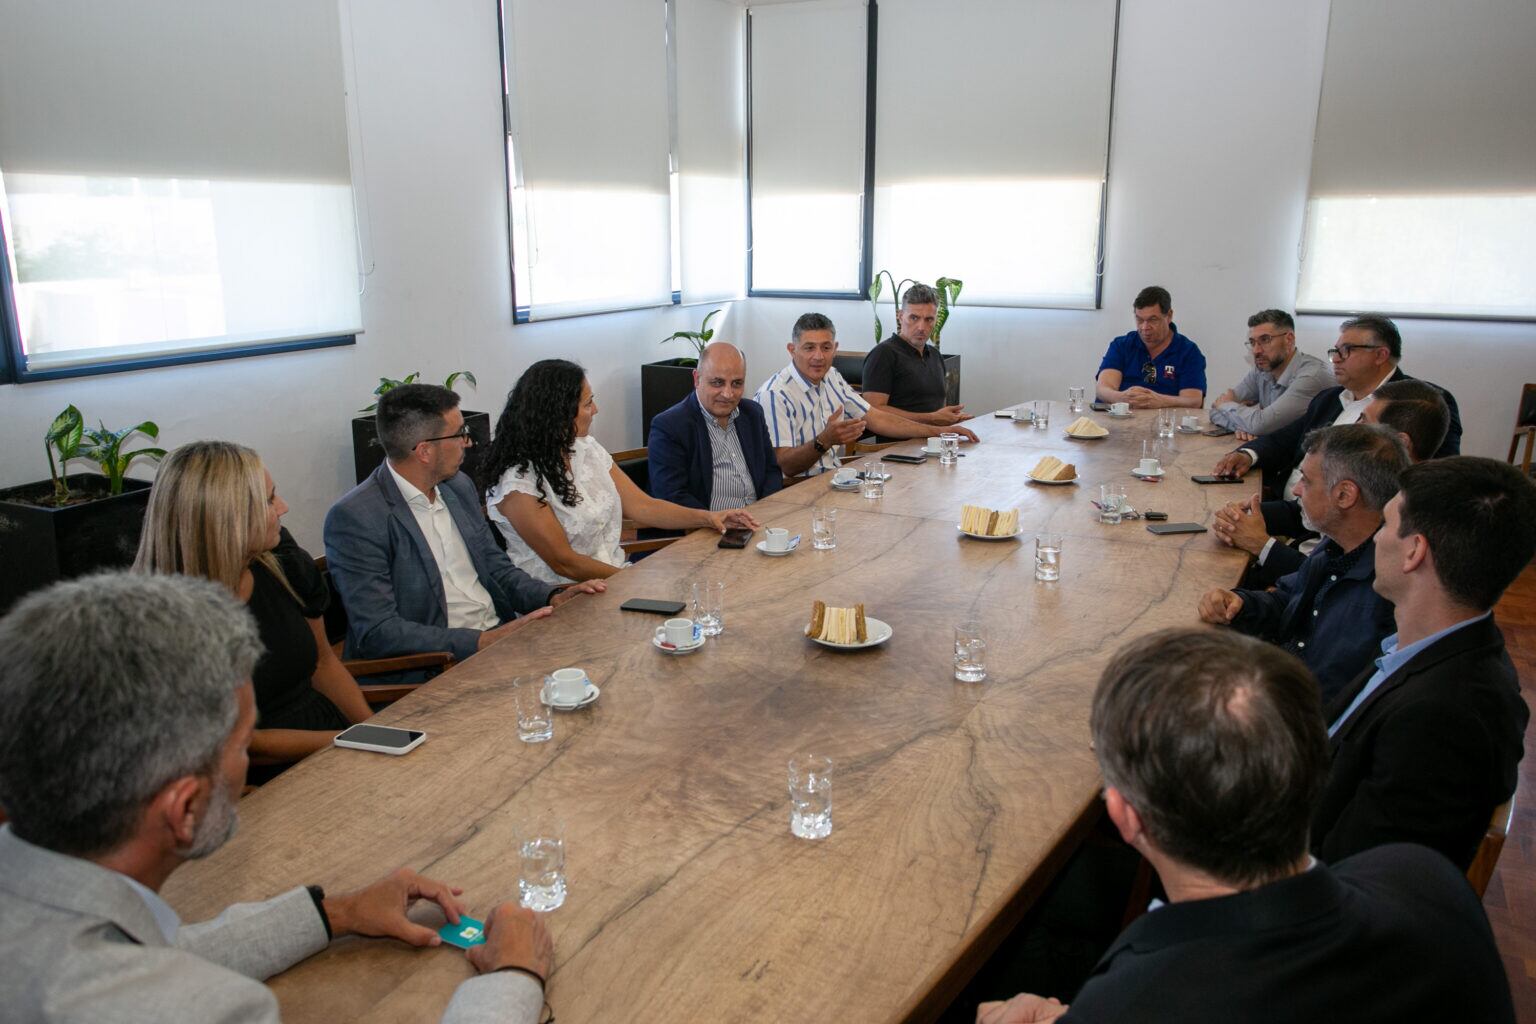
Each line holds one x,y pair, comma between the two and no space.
105,448
946,288
698,339
389,384
64,435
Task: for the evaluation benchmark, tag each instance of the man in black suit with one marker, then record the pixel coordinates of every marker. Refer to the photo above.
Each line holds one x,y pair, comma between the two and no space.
1213,752
1365,357
1427,742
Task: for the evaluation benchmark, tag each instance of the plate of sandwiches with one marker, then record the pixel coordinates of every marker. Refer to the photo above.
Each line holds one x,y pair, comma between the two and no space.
1051,470
988,524
845,629
1085,429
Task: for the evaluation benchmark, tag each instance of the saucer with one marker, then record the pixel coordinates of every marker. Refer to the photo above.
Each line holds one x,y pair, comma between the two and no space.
656,642
1187,430
929,451
879,632
1120,415
851,485
1148,476
550,702
762,547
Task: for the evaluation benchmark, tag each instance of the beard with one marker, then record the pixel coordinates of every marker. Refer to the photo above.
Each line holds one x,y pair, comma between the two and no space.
220,819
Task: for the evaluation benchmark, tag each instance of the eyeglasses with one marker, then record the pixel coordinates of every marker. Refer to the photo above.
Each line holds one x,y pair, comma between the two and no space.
462,434
1343,352
1262,340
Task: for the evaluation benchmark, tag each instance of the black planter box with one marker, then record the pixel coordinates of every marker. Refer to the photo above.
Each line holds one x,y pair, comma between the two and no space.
40,545
367,453
662,385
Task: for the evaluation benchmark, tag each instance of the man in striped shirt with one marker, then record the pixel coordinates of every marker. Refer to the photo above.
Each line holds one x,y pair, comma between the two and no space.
811,409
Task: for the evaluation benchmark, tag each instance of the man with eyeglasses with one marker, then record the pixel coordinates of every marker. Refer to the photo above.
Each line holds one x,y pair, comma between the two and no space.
409,548
1154,366
1278,388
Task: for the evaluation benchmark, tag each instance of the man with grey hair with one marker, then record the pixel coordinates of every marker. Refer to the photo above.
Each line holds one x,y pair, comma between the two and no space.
116,770
1213,753
1327,612
905,373
1279,387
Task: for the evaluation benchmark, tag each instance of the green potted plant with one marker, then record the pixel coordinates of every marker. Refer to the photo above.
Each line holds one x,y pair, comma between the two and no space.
948,291
366,451
666,382
74,523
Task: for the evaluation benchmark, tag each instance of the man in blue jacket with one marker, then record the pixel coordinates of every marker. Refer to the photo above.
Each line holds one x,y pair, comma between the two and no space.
712,450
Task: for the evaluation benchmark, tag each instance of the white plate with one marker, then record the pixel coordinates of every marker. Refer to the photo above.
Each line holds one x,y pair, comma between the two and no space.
1149,476
1084,437
762,546
1051,483
592,694
879,632
988,536
656,642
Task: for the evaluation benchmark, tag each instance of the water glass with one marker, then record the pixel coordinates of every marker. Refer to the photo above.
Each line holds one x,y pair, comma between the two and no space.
1048,557
541,863
823,528
949,449
709,606
970,652
874,480
535,721
1075,400
1165,422
1111,504
1042,415
810,796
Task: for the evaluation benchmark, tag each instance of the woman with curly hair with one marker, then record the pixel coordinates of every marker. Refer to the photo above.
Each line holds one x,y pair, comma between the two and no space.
556,494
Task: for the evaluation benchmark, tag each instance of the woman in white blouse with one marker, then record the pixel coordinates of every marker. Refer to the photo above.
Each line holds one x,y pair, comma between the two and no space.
556,494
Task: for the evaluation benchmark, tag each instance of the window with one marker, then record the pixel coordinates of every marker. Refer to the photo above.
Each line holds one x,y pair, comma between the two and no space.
1423,194
197,205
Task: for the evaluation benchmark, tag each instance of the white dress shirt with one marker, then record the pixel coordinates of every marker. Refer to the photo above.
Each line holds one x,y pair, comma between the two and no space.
469,603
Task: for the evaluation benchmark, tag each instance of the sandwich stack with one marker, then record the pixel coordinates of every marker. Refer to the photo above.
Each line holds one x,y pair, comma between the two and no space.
1085,427
1052,468
837,625
989,523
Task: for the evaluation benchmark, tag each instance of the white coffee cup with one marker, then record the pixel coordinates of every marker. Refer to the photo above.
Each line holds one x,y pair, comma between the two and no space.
933,446
1190,422
569,685
846,475
1149,466
1121,408
677,632
776,540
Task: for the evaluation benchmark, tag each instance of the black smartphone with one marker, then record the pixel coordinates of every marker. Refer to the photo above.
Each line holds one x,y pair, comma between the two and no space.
1162,528
915,460
644,604
1208,479
735,538
380,739
1099,406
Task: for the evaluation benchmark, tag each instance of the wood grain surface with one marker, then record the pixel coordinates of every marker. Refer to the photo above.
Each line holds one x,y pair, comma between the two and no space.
688,896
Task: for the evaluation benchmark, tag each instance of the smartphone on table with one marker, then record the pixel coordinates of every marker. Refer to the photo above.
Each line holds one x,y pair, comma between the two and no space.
1165,528
736,537
645,604
381,739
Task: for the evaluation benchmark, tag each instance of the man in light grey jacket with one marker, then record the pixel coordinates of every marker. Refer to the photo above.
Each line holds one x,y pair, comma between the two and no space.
1281,384
125,712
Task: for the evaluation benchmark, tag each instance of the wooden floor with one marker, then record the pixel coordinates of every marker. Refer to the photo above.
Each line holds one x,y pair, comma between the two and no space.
1511,898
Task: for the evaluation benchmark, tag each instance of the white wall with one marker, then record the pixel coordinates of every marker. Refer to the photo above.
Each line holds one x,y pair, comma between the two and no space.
1214,110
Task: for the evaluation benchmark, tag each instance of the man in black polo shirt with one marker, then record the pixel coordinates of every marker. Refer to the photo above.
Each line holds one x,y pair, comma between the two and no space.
904,373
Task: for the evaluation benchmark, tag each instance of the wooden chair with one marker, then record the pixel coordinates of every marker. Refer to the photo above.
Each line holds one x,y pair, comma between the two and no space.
635,539
377,694
1525,426
1480,873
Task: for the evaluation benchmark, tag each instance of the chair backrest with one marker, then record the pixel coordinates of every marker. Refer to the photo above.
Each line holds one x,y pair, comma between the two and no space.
635,463
1480,873
335,614
1527,416
851,366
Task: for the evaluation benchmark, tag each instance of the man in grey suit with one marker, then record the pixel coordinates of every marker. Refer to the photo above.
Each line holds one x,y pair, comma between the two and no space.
410,550
114,771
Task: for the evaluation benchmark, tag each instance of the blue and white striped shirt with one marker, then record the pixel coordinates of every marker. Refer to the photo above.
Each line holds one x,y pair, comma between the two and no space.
732,485
798,410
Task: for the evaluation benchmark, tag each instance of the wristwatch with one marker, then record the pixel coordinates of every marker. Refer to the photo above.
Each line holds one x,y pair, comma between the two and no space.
821,449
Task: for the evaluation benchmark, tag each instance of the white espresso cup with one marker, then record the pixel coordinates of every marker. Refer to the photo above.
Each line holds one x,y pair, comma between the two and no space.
677,632
776,540
569,685
1121,408
846,475
933,446
1149,466
1190,422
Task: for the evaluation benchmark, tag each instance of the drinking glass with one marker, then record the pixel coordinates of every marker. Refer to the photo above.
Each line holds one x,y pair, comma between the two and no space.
1111,503
949,449
535,721
541,863
1048,557
1042,415
810,796
874,480
823,528
1165,422
1075,400
709,606
970,652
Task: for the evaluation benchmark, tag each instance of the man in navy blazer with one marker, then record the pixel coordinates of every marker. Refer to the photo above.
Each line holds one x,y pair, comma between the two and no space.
410,549
712,449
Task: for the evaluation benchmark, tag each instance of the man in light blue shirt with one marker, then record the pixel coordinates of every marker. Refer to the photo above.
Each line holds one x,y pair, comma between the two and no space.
1281,384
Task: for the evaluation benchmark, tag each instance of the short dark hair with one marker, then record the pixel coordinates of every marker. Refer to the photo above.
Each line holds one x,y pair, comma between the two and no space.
1382,329
813,322
1479,518
409,414
919,295
1217,740
1279,317
1154,295
1418,409
1373,456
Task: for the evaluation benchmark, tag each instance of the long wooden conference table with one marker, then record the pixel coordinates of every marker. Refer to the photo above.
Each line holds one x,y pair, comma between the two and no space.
954,803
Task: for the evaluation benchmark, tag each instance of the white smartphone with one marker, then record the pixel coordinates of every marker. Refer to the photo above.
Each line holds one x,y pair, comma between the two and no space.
381,739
